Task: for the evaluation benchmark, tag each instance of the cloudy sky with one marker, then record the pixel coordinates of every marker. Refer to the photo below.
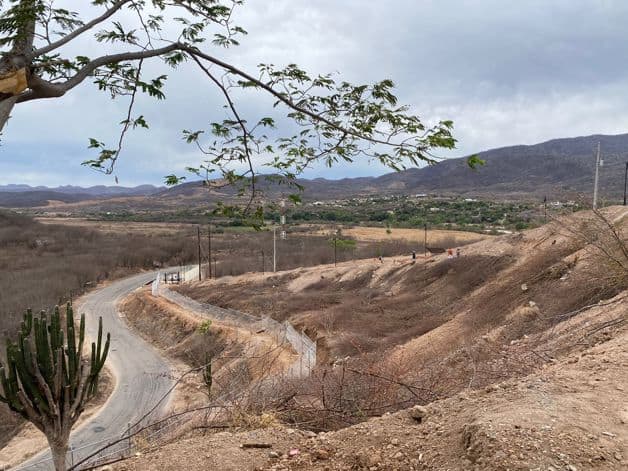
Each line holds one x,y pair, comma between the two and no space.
505,72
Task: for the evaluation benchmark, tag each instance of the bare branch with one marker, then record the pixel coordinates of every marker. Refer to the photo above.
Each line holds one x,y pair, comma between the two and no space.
77,32
241,123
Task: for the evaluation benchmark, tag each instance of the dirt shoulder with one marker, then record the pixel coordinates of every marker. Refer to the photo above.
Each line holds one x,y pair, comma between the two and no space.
572,415
238,355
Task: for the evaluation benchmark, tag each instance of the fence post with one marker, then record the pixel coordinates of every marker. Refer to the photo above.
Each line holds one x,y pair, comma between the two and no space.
301,353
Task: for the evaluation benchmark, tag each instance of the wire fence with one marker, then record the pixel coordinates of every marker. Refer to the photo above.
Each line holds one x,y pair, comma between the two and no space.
282,332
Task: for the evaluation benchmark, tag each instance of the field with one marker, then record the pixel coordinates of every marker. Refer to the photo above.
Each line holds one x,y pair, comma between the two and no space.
435,237
239,249
390,211
49,261
44,265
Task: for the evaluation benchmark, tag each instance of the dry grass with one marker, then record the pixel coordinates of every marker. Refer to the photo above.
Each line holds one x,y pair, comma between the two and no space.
121,227
374,307
440,327
238,357
438,238
44,265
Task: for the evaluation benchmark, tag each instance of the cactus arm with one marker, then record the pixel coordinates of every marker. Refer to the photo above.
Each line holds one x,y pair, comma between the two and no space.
97,360
79,363
58,379
105,353
25,375
44,351
97,366
72,352
82,392
81,337
30,413
11,389
50,402
99,346
66,406
5,385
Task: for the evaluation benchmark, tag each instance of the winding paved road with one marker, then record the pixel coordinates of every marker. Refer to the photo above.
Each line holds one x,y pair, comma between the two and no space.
142,375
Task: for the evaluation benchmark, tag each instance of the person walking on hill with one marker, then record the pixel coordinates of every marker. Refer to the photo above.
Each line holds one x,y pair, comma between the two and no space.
450,253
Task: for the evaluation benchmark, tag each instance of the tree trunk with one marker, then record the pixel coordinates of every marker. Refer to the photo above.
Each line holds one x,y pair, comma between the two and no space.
59,450
6,106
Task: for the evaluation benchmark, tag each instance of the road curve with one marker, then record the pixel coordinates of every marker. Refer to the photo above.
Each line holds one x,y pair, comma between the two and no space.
142,375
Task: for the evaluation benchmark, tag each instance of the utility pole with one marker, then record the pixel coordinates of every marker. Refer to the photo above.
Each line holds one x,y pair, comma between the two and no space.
263,263
597,176
209,249
335,249
274,248
198,235
425,242
545,208
625,182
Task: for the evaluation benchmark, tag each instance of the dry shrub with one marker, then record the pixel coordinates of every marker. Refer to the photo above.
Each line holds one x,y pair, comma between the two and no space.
464,274
606,242
340,395
489,308
242,418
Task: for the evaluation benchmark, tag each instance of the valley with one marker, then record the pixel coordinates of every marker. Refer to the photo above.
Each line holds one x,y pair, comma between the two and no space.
414,357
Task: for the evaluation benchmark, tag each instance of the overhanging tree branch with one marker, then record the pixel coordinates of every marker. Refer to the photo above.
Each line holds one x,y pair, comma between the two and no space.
77,32
43,89
336,121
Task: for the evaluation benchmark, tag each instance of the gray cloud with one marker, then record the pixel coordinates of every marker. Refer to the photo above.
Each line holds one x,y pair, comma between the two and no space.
505,72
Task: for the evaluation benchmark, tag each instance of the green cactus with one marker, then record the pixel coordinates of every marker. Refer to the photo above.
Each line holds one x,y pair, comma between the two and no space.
47,380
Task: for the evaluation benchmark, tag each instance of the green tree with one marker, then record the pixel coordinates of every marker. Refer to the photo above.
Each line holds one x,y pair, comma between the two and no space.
47,380
334,120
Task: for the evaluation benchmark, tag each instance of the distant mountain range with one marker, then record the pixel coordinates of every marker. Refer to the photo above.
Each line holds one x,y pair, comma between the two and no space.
560,168
20,196
556,168
99,190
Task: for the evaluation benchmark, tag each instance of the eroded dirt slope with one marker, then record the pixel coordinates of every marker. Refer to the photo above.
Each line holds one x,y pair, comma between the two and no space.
516,354
571,415
458,315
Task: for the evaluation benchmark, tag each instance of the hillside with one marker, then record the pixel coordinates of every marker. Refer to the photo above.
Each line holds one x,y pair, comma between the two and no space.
517,350
548,421
552,168
556,168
